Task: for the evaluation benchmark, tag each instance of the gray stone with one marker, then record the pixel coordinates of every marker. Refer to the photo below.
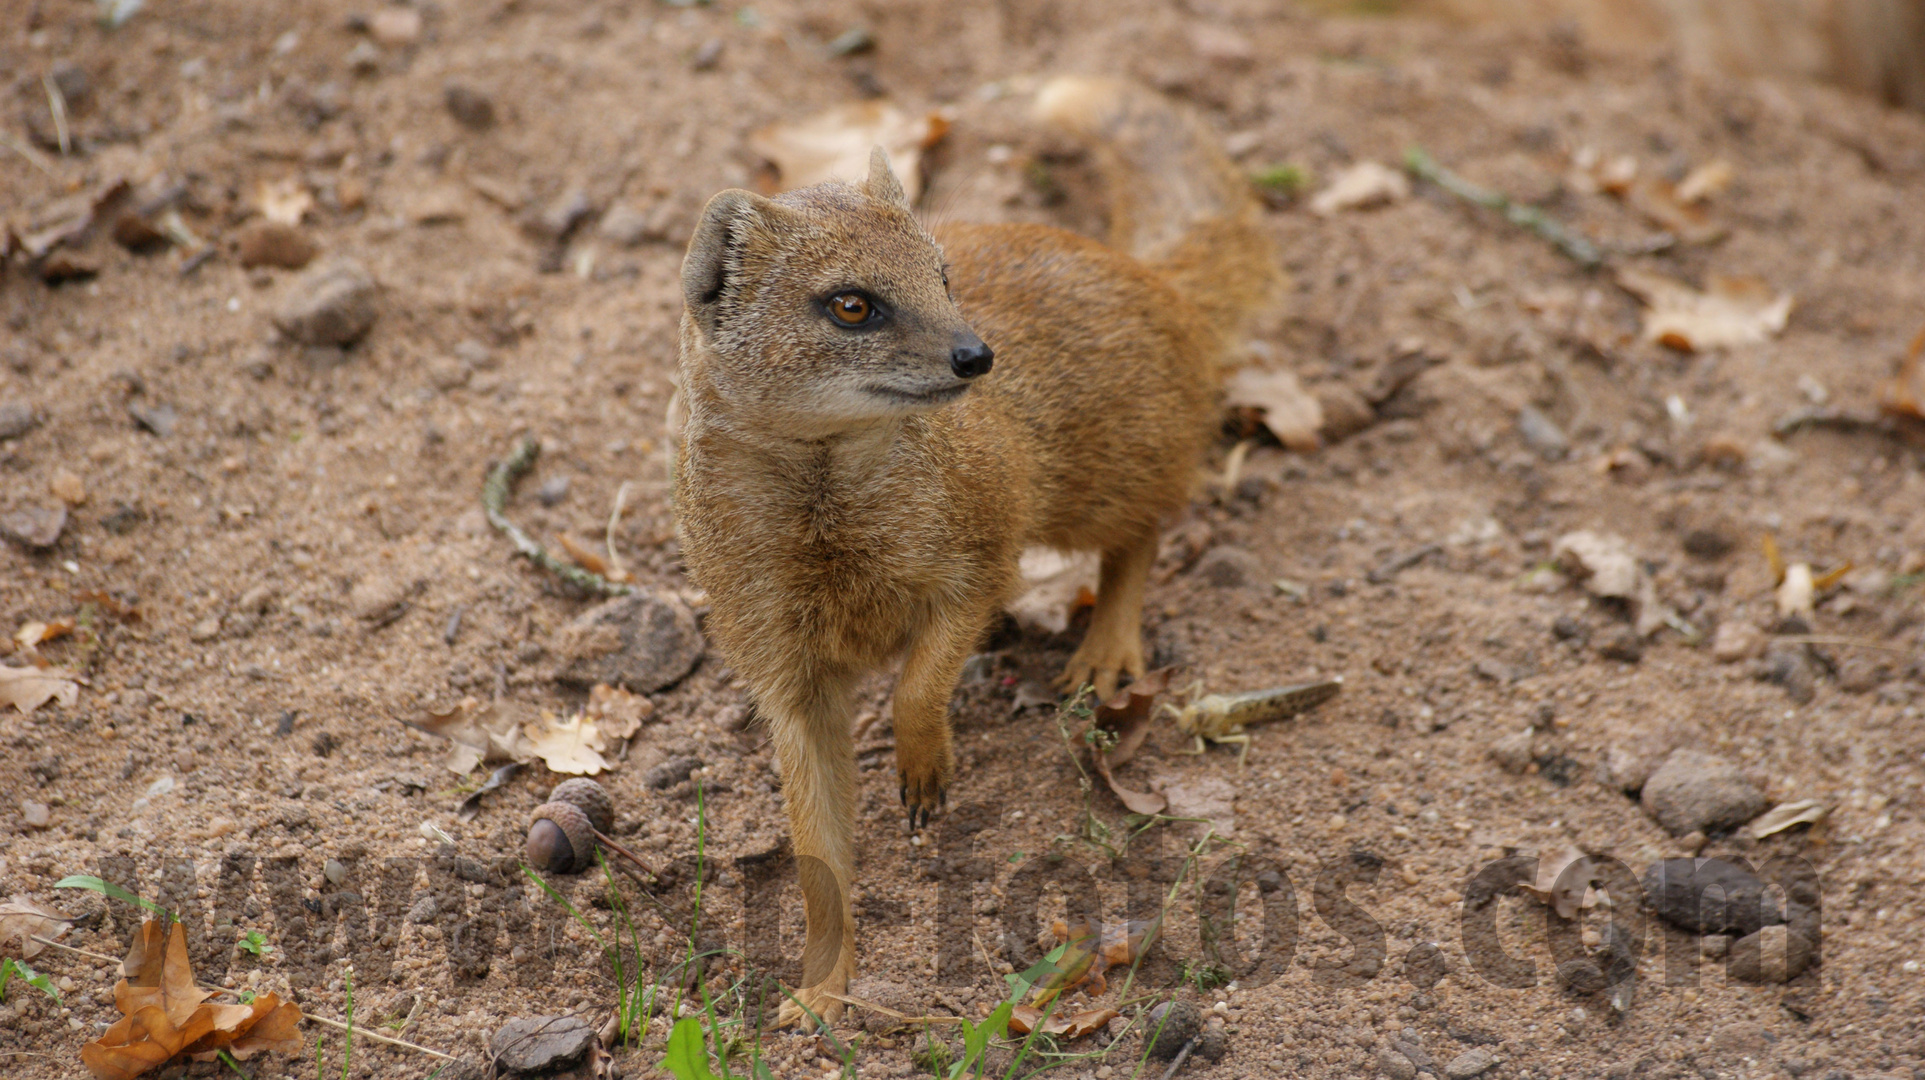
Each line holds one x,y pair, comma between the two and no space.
1774,954
1470,1063
34,527
539,1044
424,910
331,304
1542,434
1695,792
1513,752
1710,896
470,107
1169,1026
1228,568
1394,1065
670,773
642,642
16,419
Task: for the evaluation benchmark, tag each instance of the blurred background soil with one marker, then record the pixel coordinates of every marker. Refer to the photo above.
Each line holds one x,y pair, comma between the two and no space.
298,525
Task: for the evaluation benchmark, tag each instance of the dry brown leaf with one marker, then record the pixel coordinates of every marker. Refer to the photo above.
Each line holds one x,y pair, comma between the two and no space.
1025,1018
1127,717
111,604
477,733
1564,881
1731,311
1290,412
1657,200
1786,815
164,1014
22,920
1088,957
286,200
27,689
1904,395
1606,566
31,635
1361,186
570,745
1055,585
835,145
617,712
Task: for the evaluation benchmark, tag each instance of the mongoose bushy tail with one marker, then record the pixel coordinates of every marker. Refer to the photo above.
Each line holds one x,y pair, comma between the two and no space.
1176,202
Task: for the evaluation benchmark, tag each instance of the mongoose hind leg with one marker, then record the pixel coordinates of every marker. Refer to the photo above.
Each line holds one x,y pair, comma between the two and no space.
1114,644
817,755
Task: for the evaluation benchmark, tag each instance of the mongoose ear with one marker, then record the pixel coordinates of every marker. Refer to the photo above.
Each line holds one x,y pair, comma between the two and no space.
882,184
715,251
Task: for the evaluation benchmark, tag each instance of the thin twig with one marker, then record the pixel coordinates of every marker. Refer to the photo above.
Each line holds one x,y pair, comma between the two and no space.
34,157
1182,1056
1835,639
364,1033
614,517
57,105
1572,244
494,497
230,990
625,853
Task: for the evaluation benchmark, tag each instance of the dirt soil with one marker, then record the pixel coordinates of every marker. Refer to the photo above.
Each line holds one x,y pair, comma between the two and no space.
299,527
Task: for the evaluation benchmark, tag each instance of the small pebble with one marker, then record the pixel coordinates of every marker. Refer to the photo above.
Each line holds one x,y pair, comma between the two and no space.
330,304
336,871
470,107
16,419
1470,1063
37,815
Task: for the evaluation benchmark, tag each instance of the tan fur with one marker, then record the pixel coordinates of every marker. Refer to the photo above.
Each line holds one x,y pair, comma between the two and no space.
838,527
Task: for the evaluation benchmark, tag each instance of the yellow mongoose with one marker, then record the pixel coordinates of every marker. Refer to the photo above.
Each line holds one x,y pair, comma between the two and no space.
879,421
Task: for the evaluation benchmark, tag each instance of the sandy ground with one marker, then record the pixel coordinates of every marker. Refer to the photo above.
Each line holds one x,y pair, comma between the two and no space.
300,528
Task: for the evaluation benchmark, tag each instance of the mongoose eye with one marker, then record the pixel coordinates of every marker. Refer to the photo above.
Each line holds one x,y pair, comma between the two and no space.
851,308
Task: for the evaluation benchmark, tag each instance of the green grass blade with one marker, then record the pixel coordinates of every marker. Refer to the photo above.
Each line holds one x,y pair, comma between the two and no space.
108,888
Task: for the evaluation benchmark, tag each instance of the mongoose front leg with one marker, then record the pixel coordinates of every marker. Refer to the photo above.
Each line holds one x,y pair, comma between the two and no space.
816,752
1114,643
924,759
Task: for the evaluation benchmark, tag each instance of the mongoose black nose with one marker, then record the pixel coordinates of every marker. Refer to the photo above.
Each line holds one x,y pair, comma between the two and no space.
969,361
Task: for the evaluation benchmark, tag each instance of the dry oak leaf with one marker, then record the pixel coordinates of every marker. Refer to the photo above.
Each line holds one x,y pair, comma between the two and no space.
572,745
1362,185
1127,717
285,201
1731,310
1026,1018
1055,584
165,1015
835,145
1292,414
27,689
477,733
22,920
1904,396
617,712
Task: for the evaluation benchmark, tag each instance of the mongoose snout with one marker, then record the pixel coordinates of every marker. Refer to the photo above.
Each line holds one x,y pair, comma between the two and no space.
971,360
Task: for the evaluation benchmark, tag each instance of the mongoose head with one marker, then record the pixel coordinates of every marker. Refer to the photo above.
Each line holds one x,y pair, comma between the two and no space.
824,308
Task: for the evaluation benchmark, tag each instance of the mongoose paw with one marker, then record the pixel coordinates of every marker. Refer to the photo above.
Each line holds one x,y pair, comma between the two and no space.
924,797
1102,663
924,766
816,1000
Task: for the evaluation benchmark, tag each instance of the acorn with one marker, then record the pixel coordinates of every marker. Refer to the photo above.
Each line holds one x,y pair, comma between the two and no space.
591,797
562,833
